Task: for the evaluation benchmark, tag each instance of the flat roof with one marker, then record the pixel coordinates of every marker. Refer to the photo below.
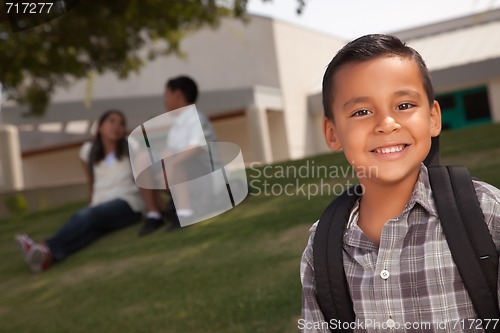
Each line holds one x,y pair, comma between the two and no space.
448,25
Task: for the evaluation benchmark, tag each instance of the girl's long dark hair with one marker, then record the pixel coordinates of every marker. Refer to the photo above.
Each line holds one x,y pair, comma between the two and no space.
97,150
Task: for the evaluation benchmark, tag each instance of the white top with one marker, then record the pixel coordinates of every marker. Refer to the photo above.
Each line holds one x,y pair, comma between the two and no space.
189,129
113,179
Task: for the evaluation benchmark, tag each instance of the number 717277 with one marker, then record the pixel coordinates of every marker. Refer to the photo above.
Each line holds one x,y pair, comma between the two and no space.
28,7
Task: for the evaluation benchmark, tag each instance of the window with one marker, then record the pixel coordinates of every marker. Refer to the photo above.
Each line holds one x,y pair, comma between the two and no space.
464,108
476,105
446,101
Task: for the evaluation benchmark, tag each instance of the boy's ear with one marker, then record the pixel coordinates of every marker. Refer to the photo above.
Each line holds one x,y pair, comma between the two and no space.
435,119
330,134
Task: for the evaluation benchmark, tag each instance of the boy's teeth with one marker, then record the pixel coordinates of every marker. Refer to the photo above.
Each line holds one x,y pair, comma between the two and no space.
387,150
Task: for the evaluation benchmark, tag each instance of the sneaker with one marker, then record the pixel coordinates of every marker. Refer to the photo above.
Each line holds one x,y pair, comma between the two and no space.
39,258
150,226
174,222
24,244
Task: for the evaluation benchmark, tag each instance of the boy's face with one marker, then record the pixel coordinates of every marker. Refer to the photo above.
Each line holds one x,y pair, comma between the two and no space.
172,99
383,120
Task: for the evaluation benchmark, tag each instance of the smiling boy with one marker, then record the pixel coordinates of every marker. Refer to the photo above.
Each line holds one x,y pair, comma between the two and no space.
380,110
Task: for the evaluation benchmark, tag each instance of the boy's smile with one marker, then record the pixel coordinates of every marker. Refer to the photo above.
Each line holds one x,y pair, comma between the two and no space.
382,118
390,151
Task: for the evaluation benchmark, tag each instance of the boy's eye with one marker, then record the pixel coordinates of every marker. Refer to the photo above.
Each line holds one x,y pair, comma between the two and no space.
361,113
405,106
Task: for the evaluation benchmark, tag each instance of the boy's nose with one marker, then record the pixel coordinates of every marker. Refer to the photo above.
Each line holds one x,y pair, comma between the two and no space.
387,124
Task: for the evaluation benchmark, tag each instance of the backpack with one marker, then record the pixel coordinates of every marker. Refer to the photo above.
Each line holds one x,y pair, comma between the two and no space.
467,235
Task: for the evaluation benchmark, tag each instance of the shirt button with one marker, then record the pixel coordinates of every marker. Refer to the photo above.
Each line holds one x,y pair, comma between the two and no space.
384,274
390,323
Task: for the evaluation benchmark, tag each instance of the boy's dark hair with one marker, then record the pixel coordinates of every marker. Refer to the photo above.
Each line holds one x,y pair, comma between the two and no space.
368,48
186,85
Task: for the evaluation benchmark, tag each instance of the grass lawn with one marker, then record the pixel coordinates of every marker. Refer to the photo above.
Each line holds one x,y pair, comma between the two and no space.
238,272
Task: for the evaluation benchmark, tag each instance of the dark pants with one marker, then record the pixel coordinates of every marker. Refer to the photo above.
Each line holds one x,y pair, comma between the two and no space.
88,225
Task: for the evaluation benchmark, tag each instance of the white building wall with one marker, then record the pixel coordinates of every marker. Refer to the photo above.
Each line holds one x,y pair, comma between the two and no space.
235,130
302,59
494,96
235,55
317,124
61,167
277,127
460,46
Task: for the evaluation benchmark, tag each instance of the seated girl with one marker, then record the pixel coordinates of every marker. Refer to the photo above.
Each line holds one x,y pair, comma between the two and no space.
115,201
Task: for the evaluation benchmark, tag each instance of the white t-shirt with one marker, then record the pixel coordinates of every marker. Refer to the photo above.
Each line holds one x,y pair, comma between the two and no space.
190,129
113,179
193,129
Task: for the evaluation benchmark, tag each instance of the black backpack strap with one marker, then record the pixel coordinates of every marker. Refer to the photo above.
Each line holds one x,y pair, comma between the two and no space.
469,239
433,158
332,290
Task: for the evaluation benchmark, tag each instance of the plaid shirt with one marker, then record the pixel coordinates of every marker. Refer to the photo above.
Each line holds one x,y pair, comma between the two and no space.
410,282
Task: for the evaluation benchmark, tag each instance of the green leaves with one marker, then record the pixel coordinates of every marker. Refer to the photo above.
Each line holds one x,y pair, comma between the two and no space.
97,36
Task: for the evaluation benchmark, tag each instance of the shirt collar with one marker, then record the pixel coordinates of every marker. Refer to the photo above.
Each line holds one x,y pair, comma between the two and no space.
422,194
